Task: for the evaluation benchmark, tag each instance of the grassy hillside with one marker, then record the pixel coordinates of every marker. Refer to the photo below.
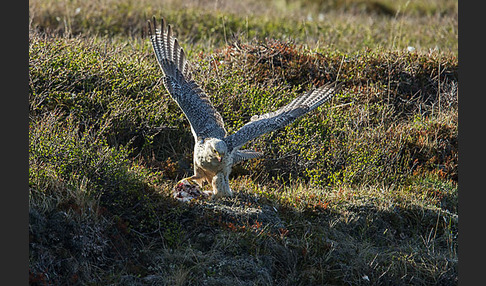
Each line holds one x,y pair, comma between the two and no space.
361,191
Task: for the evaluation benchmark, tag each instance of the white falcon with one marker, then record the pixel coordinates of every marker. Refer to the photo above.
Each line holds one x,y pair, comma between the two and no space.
215,152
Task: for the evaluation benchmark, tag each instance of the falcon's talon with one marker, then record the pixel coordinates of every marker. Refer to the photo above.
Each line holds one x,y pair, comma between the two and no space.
189,180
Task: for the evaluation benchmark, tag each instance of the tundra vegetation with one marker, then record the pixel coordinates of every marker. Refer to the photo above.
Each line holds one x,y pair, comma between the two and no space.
362,191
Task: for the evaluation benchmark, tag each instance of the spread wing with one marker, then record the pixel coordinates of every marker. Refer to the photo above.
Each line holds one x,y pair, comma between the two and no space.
261,124
204,119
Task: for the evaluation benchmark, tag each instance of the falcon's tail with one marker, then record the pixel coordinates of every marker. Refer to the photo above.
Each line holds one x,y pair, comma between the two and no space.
242,155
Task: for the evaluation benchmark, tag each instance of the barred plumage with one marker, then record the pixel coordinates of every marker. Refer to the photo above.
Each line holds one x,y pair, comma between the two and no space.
205,120
214,151
261,124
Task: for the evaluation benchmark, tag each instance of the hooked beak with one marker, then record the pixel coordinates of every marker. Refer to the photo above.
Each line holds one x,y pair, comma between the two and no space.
219,157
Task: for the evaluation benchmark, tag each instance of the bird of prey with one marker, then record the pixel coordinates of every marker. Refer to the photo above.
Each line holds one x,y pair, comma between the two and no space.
215,152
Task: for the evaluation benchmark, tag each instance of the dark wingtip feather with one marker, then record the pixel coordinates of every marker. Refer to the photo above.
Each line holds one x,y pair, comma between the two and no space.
162,25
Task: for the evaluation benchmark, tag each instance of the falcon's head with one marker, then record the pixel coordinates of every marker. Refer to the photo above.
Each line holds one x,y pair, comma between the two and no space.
217,148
